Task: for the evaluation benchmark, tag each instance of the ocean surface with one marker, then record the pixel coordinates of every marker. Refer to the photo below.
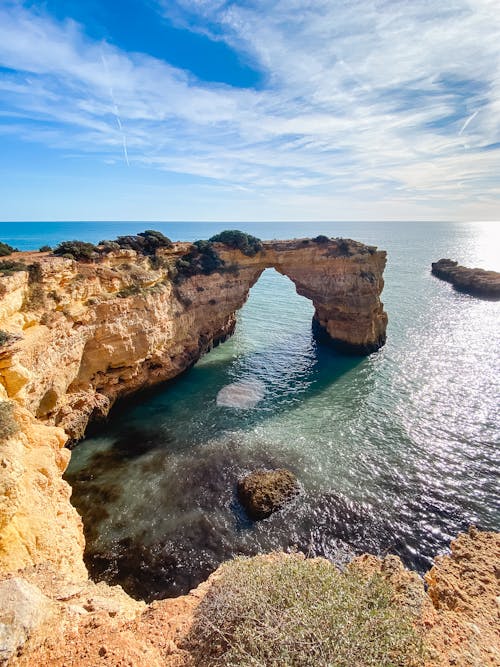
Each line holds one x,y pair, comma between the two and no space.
395,452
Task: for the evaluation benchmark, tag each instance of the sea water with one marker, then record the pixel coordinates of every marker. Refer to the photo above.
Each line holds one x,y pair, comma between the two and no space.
395,452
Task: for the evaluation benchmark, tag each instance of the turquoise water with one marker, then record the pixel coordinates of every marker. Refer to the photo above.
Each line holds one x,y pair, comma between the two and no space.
395,452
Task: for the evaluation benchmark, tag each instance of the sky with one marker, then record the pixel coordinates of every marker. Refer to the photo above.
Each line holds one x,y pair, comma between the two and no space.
231,110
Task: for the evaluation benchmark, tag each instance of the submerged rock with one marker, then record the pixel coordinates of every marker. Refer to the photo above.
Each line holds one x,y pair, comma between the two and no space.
245,394
262,492
477,282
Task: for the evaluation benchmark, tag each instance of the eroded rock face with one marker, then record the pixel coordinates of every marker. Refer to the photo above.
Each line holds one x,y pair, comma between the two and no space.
262,492
91,333
478,282
94,631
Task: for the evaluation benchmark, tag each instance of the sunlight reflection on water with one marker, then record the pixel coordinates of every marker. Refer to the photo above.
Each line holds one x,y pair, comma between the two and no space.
395,452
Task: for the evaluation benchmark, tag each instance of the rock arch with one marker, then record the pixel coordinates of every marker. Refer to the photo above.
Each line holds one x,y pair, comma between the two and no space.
107,329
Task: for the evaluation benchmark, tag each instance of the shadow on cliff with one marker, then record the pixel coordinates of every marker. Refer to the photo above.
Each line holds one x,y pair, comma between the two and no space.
287,382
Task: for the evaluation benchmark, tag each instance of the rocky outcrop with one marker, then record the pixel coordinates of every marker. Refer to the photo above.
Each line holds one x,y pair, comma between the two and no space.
94,625
478,282
262,492
82,335
464,588
38,524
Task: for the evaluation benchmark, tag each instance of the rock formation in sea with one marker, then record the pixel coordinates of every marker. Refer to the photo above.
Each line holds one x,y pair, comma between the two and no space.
262,492
478,282
82,334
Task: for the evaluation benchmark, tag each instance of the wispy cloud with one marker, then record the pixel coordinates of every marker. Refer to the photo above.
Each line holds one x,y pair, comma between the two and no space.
366,101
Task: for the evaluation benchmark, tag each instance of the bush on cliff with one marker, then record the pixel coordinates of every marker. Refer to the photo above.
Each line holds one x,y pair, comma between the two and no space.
291,611
248,244
6,249
81,251
202,259
9,266
146,242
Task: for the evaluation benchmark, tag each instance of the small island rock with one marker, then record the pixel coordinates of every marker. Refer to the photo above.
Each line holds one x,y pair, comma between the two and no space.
262,492
478,282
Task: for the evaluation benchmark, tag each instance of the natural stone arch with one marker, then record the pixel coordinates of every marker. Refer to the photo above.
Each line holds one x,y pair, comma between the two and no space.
343,279
121,324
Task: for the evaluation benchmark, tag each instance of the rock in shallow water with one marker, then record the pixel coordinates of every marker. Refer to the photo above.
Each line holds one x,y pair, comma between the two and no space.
262,492
478,282
245,394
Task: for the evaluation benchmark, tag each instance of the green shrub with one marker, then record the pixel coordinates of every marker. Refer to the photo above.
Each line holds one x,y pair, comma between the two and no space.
202,259
296,612
158,263
81,251
248,244
45,248
8,425
321,239
145,243
9,266
6,249
107,246
343,246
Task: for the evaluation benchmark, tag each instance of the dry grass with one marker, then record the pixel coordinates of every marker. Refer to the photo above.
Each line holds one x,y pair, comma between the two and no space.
289,611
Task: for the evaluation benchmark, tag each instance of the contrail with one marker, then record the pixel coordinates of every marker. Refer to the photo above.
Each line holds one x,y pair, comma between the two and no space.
466,124
115,110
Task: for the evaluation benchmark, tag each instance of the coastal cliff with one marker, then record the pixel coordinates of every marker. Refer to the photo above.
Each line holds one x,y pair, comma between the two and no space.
79,335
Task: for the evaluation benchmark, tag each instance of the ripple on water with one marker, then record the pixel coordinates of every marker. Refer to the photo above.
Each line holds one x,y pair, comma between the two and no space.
395,453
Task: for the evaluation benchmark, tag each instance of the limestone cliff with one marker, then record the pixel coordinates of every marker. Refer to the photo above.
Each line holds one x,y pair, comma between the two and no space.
478,282
56,622
84,334
73,338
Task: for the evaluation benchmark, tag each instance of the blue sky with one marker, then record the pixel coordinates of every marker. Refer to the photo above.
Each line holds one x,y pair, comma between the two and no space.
258,110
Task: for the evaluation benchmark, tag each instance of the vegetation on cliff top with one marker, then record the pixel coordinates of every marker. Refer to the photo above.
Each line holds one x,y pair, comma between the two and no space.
291,611
145,243
9,266
78,250
248,244
202,259
205,259
6,249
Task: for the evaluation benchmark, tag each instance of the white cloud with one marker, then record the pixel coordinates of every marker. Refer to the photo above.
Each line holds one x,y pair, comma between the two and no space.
380,100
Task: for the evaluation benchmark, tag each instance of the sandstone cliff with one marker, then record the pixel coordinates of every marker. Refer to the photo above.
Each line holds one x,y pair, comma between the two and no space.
478,282
76,336
80,624
84,334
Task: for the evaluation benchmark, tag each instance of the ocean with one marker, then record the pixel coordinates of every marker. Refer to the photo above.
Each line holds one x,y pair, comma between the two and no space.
395,452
